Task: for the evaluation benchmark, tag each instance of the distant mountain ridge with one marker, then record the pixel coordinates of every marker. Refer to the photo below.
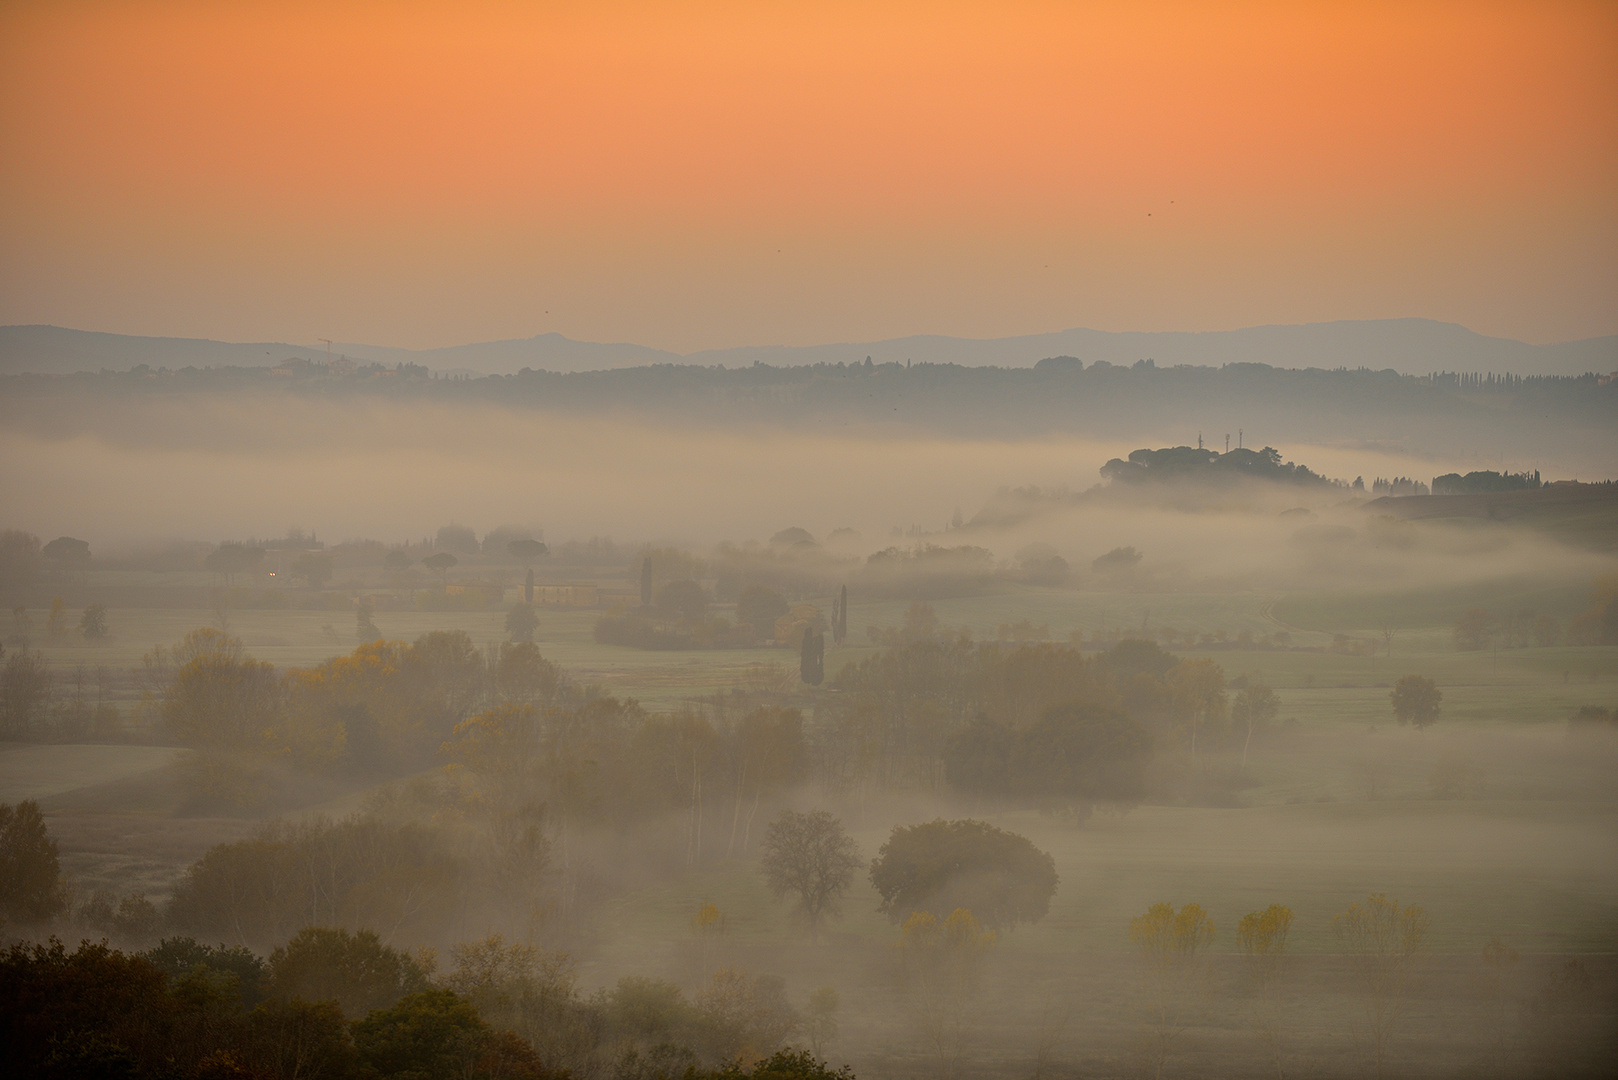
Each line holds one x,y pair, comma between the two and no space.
1409,346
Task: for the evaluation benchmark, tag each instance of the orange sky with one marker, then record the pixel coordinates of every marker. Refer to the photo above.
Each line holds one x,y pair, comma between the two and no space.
695,175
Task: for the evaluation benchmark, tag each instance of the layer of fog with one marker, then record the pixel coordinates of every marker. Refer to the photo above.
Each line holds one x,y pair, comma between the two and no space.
200,466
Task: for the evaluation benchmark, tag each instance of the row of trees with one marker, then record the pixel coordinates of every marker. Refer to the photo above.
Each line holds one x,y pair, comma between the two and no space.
1381,940
24,560
37,703
1036,723
1480,628
998,876
336,1005
383,709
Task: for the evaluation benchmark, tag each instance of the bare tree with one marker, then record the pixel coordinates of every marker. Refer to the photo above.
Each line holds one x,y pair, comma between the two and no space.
813,858
1256,705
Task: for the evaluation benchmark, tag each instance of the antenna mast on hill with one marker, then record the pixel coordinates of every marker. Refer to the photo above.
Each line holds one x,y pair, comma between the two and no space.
327,340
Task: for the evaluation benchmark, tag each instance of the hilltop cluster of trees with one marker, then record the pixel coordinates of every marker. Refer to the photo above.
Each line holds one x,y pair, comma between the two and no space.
1194,464
1482,482
1399,485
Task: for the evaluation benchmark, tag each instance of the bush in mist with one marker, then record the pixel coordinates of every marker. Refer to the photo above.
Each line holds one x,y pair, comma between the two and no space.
1041,565
942,968
998,876
1416,700
1118,562
93,624
1262,938
1173,949
1383,942
31,887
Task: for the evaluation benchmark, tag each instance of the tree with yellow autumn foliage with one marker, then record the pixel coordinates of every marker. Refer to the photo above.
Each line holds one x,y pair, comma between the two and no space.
1383,942
942,964
1173,949
1262,938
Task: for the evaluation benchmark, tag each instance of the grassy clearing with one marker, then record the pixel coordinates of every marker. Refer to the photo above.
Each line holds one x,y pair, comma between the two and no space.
30,771
1366,611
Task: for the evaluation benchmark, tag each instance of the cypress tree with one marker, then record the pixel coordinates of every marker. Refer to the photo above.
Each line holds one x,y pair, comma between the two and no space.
812,659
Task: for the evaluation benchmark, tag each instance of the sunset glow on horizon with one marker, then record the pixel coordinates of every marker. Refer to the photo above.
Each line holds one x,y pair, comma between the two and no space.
692,176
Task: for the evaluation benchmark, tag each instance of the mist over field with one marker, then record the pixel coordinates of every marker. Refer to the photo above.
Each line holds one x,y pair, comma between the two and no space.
883,541
138,473
706,721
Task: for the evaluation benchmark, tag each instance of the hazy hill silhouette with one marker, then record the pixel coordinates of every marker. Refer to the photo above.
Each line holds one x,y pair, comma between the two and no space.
1409,346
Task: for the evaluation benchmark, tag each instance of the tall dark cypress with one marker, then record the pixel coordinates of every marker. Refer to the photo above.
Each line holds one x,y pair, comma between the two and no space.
646,582
840,627
528,587
812,658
